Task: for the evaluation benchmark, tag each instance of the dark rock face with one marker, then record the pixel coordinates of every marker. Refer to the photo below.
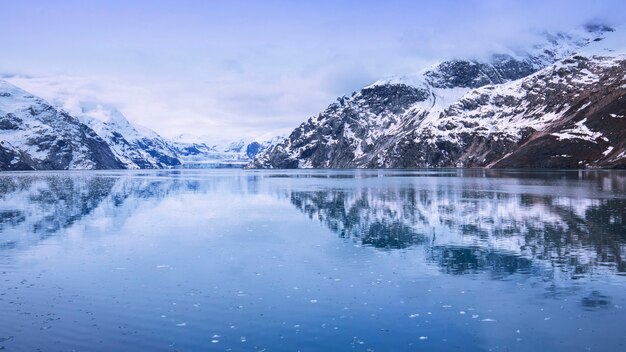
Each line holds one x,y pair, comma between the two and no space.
474,74
158,158
12,160
389,99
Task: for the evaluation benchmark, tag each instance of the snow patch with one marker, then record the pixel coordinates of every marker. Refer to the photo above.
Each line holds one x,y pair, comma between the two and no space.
581,131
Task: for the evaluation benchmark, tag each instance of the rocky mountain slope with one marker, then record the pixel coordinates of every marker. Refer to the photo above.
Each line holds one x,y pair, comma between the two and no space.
34,135
559,104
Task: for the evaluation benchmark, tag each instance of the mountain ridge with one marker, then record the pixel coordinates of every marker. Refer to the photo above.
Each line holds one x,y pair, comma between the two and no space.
463,114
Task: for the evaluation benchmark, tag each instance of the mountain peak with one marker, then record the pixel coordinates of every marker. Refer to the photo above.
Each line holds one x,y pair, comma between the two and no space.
508,65
13,98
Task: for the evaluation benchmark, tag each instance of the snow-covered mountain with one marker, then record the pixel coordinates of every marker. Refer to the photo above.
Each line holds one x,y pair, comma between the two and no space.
195,152
35,135
38,135
136,147
559,103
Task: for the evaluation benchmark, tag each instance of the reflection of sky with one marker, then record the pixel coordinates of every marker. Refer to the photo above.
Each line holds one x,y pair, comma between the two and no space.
253,67
226,253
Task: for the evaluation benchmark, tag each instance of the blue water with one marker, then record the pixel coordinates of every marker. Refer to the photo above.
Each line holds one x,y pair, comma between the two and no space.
234,260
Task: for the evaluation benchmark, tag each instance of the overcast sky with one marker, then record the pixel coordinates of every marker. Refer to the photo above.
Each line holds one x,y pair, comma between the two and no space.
228,68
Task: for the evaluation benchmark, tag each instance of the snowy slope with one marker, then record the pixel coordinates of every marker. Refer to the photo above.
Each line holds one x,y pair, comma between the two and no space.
34,135
136,147
466,113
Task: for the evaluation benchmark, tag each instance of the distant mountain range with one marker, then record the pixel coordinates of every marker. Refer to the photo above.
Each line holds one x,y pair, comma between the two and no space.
36,135
197,153
559,104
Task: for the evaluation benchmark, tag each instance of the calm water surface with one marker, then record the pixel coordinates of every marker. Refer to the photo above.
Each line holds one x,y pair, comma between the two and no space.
467,260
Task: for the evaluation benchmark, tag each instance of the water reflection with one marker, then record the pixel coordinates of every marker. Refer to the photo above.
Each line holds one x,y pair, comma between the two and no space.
475,220
35,207
356,216
498,227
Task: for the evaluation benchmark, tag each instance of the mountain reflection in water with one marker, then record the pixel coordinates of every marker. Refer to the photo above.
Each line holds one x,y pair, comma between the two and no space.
497,225
464,231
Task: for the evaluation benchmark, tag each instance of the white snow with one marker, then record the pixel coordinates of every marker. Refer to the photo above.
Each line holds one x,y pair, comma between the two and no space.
608,151
581,131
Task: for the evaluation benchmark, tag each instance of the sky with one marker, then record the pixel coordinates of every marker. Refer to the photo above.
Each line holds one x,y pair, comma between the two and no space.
226,69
